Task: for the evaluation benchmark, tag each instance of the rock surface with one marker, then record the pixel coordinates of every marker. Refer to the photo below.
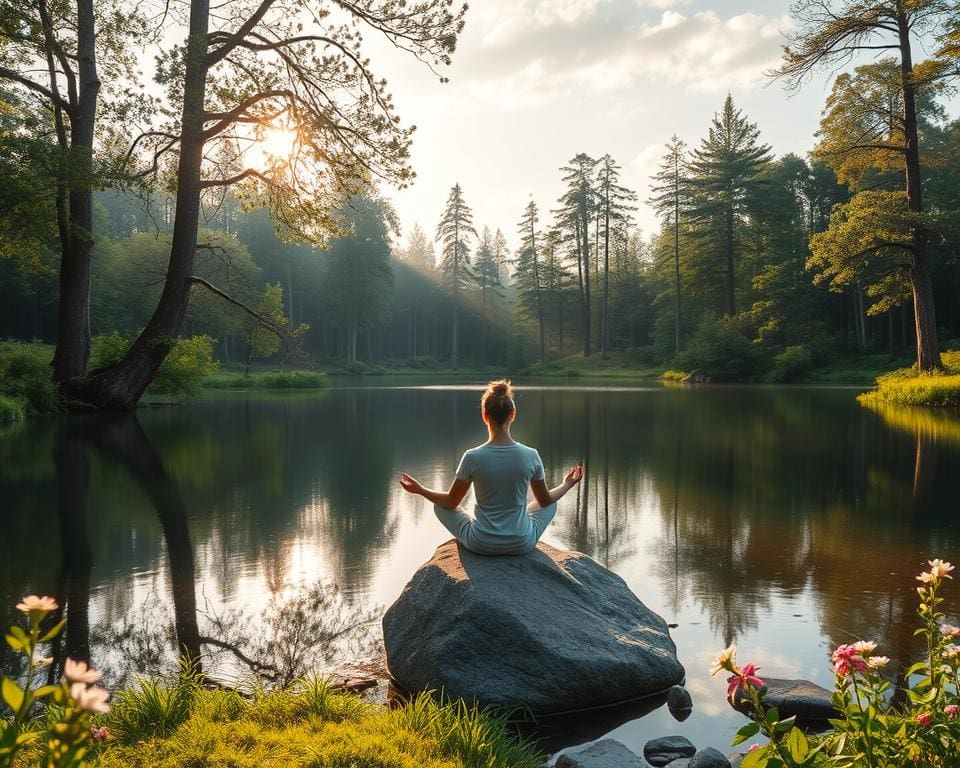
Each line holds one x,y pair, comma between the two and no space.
806,700
679,702
667,749
709,758
606,753
552,630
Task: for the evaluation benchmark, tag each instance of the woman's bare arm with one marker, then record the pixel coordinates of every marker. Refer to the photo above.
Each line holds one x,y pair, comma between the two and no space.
547,496
449,499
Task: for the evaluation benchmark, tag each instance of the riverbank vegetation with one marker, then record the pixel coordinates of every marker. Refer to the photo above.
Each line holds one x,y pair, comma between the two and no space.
183,722
874,726
908,386
765,268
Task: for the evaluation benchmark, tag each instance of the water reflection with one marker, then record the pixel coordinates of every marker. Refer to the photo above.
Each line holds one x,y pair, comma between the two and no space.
785,519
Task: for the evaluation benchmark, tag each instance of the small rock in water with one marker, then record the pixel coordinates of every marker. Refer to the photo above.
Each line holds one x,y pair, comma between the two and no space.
806,700
678,698
606,753
709,758
666,749
683,762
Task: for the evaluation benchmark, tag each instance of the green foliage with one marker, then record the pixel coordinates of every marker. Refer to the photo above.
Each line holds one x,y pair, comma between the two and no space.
672,375
792,364
63,738
720,351
154,708
267,380
183,370
11,409
310,725
907,386
25,377
874,728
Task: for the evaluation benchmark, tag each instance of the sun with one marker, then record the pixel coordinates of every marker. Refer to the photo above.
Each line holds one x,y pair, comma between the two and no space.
278,142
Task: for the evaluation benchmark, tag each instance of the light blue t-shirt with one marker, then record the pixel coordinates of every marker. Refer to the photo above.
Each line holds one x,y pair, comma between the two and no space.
501,475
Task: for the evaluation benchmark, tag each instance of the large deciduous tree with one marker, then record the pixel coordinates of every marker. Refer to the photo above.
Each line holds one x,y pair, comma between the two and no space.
249,71
831,35
454,232
73,63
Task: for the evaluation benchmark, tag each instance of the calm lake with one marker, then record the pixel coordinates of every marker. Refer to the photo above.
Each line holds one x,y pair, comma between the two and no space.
786,519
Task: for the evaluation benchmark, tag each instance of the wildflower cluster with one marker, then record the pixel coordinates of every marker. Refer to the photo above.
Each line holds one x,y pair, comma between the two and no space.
65,737
870,730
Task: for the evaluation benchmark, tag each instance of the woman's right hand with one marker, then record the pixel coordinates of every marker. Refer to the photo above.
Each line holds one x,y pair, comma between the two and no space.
410,485
574,476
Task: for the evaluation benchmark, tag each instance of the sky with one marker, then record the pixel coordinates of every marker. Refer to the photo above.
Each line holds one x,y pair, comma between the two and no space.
534,82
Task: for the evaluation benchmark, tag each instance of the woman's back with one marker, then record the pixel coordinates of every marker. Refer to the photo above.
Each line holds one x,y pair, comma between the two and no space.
501,476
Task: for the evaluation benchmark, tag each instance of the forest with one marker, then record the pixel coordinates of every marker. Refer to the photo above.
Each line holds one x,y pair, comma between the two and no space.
764,268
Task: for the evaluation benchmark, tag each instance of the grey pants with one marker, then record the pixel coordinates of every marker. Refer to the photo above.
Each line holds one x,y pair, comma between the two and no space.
463,526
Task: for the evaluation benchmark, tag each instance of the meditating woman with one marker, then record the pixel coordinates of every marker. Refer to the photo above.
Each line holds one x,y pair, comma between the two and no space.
501,471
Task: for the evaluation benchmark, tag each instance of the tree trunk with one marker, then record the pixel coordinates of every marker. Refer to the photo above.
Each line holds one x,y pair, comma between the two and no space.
120,386
676,257
587,331
728,249
605,317
928,347
73,325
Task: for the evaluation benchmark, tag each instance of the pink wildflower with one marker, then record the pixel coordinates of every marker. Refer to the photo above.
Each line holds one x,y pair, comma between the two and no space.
747,677
949,630
846,659
79,672
951,710
34,604
99,733
753,748
924,719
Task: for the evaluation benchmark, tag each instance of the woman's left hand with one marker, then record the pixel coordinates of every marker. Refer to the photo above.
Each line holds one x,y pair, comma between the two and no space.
574,476
409,484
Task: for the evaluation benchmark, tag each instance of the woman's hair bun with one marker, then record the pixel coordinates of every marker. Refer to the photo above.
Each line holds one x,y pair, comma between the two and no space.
497,400
501,388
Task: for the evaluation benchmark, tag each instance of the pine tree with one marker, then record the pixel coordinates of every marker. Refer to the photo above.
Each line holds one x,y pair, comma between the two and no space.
454,232
671,199
501,254
724,169
577,206
488,281
419,252
614,209
527,274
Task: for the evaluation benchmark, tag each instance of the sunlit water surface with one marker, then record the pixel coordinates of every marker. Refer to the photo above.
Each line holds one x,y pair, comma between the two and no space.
787,519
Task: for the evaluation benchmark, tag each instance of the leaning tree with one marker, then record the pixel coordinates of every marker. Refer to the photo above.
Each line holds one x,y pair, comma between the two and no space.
249,70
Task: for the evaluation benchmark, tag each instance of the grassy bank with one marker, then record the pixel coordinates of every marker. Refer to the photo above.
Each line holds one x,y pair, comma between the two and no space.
908,387
308,725
25,384
266,380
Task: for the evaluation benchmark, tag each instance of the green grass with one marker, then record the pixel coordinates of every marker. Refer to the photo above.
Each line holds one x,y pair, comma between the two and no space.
266,380
619,366
12,408
860,370
908,387
306,726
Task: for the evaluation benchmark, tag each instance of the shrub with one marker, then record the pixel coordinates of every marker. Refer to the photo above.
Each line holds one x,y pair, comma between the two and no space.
673,375
11,408
278,380
719,350
25,378
873,728
360,368
183,369
791,364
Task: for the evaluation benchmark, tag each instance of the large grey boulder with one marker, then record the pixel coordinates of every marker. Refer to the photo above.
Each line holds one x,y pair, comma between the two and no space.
606,753
552,630
808,701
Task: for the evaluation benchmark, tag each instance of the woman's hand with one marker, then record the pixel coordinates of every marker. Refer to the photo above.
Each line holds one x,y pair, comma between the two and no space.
410,485
574,476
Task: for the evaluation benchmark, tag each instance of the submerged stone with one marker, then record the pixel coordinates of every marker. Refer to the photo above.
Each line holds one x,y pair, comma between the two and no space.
806,700
606,753
667,749
551,630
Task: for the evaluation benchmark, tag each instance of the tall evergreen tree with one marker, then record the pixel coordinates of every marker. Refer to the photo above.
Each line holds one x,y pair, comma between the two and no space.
454,232
419,252
577,206
527,273
488,281
615,206
501,254
671,200
724,168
